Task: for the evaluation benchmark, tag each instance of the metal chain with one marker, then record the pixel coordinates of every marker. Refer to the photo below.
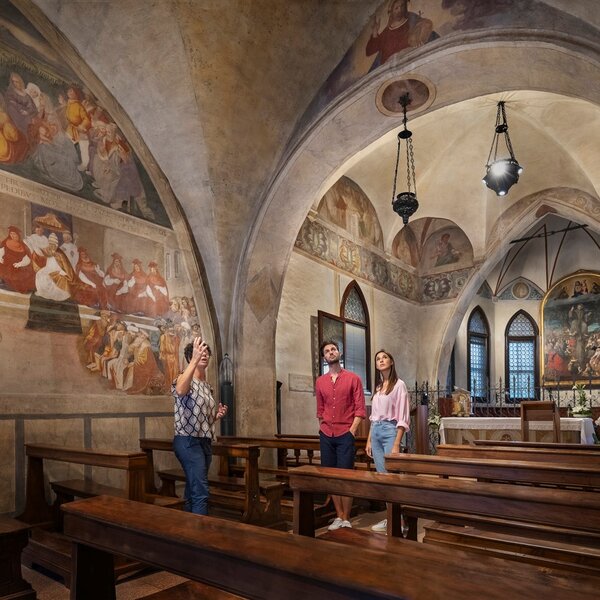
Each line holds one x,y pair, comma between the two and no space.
411,154
396,172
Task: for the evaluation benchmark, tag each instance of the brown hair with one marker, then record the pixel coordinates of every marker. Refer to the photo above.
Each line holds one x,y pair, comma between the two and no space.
393,378
328,343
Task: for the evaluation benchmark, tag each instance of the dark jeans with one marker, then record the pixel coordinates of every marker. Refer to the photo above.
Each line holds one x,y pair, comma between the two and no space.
337,451
195,455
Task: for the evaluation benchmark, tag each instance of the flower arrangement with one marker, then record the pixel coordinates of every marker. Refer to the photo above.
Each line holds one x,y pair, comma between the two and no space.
434,420
582,407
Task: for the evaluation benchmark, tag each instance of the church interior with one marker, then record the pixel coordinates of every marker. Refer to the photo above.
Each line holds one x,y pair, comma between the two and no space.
246,171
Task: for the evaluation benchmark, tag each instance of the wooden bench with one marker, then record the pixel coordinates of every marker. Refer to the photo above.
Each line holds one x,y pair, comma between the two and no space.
524,472
539,445
295,451
253,562
454,501
510,453
14,536
258,500
548,547
47,547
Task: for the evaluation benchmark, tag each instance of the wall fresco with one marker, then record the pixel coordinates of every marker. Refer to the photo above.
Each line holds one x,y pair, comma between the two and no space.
347,206
398,27
121,299
320,242
55,131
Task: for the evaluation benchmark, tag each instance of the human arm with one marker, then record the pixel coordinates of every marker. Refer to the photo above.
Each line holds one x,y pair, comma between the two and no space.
401,412
320,402
368,448
360,409
221,411
184,381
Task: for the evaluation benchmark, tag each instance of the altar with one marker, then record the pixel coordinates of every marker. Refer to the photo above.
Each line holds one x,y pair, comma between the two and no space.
463,430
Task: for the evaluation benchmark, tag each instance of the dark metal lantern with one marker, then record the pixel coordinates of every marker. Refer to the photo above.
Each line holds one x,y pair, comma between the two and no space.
405,204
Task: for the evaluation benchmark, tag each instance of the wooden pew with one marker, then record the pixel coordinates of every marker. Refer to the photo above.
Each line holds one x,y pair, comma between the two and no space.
296,451
543,445
258,501
452,501
253,562
305,450
510,453
555,548
524,472
14,536
47,547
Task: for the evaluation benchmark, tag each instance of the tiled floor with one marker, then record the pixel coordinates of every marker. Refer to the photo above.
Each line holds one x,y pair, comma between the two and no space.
49,589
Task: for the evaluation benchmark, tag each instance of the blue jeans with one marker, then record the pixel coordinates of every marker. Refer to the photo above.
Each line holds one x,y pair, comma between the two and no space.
383,435
195,455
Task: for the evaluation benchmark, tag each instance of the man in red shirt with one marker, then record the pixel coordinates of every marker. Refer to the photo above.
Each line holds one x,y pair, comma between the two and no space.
340,409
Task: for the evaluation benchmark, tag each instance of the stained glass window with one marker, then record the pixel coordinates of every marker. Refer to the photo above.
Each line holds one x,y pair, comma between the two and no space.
354,309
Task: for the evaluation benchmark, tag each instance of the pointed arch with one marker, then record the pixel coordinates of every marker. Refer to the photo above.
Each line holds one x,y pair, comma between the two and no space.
355,313
520,351
478,354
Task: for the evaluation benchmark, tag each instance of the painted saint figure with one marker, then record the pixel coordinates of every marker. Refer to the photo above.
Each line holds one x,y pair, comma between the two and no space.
16,269
444,252
403,30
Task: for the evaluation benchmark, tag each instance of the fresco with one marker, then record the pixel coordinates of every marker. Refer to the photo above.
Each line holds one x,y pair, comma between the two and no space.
348,207
55,131
103,287
571,329
398,27
433,246
321,243
447,249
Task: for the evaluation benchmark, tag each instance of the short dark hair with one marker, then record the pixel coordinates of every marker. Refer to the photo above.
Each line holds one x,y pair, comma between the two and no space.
328,343
189,350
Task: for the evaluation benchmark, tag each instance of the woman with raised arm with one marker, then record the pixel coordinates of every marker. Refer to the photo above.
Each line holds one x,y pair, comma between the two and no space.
196,413
390,416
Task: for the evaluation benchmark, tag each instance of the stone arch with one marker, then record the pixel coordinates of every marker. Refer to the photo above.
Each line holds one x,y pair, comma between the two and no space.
346,127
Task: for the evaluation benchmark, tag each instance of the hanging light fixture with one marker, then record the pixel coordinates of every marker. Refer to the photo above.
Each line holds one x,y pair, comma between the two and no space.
405,203
501,174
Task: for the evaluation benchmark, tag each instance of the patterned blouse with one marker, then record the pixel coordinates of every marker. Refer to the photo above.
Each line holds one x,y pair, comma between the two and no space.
196,411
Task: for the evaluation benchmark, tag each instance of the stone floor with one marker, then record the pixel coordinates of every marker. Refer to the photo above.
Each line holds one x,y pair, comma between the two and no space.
49,589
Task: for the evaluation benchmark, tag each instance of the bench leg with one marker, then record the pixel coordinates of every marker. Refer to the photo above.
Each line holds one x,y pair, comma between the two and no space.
304,513
93,574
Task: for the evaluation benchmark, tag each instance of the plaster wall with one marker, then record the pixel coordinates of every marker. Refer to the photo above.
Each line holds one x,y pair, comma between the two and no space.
309,287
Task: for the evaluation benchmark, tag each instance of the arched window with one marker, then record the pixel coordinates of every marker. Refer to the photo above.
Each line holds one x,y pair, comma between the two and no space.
478,355
351,331
520,357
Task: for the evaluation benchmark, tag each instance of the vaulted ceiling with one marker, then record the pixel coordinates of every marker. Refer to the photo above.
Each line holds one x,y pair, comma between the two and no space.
216,87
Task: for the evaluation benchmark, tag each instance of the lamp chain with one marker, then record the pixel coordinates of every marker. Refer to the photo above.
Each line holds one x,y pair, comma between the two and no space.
411,156
396,171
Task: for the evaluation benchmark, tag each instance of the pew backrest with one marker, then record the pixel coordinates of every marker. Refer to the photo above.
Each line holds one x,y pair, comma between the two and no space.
481,469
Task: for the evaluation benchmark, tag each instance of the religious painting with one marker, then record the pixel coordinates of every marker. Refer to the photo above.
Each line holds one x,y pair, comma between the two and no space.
405,247
399,28
571,330
56,132
93,298
446,249
348,207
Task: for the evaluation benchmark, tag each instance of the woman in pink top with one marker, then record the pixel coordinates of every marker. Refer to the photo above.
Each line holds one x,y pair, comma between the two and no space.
390,415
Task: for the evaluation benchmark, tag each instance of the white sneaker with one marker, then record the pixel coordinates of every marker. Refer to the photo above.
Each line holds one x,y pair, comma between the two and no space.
380,527
337,523
346,524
